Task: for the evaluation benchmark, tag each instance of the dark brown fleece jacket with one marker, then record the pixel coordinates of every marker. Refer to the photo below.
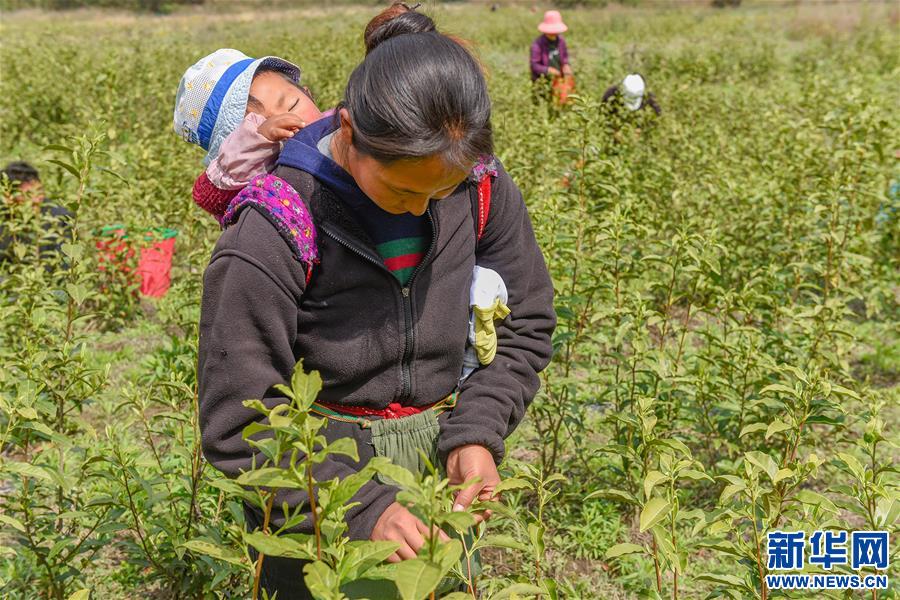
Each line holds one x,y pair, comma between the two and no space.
373,341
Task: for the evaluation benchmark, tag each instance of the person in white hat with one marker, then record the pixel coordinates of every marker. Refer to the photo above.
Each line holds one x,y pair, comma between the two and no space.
630,95
239,110
549,54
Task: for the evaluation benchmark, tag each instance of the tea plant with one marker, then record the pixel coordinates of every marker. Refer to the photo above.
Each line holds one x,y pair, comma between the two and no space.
47,384
726,293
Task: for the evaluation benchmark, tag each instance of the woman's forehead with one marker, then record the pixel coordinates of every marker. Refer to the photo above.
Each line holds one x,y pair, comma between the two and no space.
424,175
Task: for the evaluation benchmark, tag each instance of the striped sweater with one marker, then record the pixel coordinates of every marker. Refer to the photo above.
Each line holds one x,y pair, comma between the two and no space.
401,240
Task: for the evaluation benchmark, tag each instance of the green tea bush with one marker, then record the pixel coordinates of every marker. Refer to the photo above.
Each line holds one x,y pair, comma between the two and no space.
726,290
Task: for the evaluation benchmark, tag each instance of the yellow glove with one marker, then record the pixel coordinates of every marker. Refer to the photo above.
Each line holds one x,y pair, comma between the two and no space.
486,332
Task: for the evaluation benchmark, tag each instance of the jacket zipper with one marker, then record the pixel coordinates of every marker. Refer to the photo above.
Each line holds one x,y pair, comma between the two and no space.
406,293
355,250
405,300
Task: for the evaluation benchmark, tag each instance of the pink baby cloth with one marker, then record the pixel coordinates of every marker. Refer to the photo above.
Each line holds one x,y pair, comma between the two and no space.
244,154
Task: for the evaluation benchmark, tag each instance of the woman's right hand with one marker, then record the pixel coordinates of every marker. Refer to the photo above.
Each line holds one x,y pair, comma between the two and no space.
553,71
397,524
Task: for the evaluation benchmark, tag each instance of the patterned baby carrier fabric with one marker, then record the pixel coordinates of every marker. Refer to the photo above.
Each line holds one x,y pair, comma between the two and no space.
280,203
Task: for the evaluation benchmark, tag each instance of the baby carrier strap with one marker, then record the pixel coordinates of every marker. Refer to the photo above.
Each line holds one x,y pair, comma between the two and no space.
276,200
483,173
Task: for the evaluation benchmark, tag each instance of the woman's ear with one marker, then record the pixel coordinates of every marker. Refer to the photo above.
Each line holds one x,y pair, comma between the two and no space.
346,131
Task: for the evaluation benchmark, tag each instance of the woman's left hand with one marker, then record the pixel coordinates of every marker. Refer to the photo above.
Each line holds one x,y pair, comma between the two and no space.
470,462
567,70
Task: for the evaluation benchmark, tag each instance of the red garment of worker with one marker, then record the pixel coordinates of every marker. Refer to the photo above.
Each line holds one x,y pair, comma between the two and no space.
155,268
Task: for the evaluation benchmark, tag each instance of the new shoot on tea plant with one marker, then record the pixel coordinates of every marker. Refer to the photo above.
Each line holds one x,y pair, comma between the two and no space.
661,514
430,498
766,493
530,525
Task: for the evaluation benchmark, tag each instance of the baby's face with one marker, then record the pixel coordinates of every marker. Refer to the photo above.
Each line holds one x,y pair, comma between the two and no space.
279,96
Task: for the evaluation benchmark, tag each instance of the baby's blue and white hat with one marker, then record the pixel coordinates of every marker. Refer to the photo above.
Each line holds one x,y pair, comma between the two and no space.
212,97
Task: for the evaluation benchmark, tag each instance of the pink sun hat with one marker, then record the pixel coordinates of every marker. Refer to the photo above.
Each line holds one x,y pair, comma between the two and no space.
552,23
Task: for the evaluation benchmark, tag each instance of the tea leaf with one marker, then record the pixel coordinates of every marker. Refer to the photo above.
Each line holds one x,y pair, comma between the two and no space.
653,512
815,499
27,470
619,495
887,511
753,428
305,386
842,391
416,578
13,522
448,554
782,474
78,293
322,581
731,490
623,549
501,541
779,387
536,535
512,483
652,478
343,446
271,477
764,462
722,578
397,475
776,426
215,551
284,546
695,475
797,373
71,169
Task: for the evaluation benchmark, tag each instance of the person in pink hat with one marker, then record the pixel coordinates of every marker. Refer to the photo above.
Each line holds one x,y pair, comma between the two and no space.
549,55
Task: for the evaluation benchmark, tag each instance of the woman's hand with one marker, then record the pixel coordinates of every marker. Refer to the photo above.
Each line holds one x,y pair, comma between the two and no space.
470,462
552,71
396,524
567,69
281,127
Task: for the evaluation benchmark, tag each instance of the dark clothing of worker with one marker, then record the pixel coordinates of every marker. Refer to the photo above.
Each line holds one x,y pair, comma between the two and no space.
56,224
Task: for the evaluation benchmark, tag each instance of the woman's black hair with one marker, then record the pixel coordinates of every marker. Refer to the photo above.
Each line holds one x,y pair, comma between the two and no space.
420,95
398,19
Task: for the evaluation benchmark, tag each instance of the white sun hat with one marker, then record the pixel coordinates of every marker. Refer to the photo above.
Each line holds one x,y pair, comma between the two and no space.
212,97
633,89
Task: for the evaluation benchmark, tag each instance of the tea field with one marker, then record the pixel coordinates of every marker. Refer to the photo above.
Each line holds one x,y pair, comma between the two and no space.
727,358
